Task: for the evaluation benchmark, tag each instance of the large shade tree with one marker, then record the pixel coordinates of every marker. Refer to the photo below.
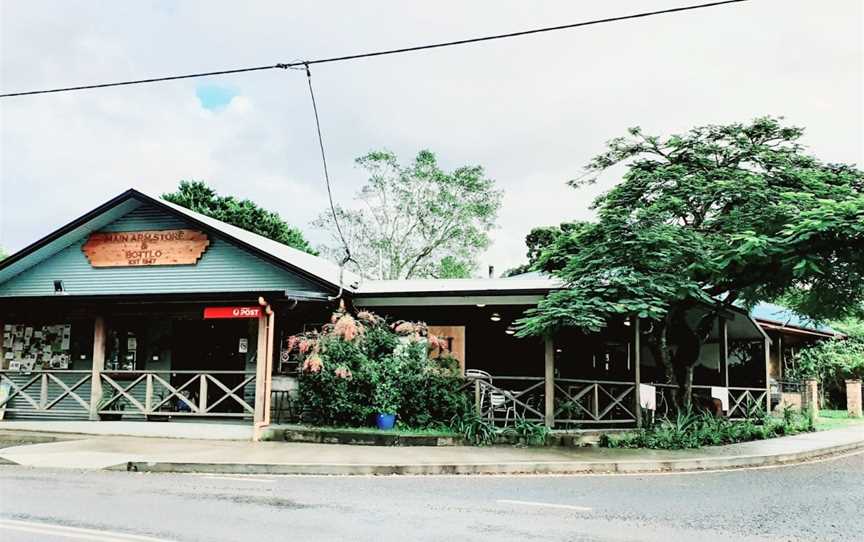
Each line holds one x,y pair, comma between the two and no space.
537,240
243,213
415,220
717,216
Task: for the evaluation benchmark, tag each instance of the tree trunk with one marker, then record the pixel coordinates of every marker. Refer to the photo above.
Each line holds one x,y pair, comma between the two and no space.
658,343
676,346
687,386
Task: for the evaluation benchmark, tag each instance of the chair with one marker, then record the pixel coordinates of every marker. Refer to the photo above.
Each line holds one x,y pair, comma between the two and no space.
498,403
477,374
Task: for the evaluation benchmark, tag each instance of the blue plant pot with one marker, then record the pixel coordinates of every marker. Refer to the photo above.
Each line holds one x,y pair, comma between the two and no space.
385,421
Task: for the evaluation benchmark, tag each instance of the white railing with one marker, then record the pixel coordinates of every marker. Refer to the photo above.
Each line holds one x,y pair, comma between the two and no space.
593,402
504,399
177,393
46,392
744,402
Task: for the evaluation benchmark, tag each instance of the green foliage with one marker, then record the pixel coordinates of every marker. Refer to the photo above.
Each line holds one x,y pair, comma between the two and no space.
246,214
528,432
451,267
830,362
541,238
852,327
719,215
416,220
2,254
689,429
361,367
475,429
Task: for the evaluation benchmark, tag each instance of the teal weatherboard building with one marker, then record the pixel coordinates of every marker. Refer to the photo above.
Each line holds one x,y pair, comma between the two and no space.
106,317
144,310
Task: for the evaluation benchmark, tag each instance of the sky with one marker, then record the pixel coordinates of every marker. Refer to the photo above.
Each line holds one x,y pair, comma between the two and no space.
532,110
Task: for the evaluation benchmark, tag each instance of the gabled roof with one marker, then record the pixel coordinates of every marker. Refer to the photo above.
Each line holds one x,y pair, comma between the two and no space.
783,317
313,267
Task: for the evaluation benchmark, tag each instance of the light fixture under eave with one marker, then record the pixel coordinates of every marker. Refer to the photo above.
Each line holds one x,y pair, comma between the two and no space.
510,330
481,305
495,317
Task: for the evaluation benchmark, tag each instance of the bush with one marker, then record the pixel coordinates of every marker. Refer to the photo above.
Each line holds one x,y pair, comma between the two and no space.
474,428
831,363
694,430
358,367
528,433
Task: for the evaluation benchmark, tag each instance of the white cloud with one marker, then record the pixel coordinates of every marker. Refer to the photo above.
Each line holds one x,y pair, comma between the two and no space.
531,110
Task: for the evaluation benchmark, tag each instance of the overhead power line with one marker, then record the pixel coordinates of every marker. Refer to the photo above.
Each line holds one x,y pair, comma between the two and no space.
378,53
345,245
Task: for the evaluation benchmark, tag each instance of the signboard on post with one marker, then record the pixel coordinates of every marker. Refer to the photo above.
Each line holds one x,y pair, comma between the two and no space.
145,248
231,312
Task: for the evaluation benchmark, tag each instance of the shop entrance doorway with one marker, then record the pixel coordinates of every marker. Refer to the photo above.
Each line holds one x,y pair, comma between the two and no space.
213,347
210,345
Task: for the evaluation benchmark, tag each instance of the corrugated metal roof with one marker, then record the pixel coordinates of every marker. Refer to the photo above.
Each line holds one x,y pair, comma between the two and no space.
427,286
769,312
314,265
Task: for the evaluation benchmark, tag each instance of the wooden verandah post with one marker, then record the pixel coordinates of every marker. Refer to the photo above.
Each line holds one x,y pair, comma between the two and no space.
549,381
97,367
263,369
723,343
767,374
637,370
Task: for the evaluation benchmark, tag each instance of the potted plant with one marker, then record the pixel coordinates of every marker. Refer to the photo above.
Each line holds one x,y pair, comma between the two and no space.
110,411
386,404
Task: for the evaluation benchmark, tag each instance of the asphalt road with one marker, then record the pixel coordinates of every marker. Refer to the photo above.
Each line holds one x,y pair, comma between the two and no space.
816,501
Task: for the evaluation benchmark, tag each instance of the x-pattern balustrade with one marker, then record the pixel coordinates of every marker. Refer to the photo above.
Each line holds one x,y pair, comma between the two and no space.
744,402
593,402
57,392
504,399
178,393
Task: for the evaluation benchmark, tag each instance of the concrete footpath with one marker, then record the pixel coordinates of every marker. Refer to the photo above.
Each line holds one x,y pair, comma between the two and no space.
237,457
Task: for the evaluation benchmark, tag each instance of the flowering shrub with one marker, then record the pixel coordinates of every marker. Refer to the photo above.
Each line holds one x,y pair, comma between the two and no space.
359,366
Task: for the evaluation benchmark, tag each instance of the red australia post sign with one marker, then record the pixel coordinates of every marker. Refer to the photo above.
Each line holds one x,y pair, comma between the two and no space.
231,312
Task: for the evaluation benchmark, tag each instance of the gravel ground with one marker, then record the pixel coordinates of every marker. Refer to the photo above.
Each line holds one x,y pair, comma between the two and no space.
816,501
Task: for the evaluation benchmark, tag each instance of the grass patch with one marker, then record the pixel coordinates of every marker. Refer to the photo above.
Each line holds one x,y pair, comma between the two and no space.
835,419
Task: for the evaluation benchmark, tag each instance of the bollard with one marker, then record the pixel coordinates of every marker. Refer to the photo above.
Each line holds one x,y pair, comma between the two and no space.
853,398
811,398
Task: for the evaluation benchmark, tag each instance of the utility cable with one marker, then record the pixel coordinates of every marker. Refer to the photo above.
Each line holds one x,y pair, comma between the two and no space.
141,81
381,53
347,258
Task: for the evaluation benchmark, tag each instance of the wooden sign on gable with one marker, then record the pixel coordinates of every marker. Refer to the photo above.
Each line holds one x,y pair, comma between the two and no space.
145,248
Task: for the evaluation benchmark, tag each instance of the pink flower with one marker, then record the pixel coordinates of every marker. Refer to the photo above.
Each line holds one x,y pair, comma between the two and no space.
368,317
343,372
293,341
305,345
438,343
404,328
313,364
347,328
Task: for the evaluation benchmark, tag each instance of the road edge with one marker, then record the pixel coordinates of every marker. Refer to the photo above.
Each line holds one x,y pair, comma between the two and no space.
527,467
